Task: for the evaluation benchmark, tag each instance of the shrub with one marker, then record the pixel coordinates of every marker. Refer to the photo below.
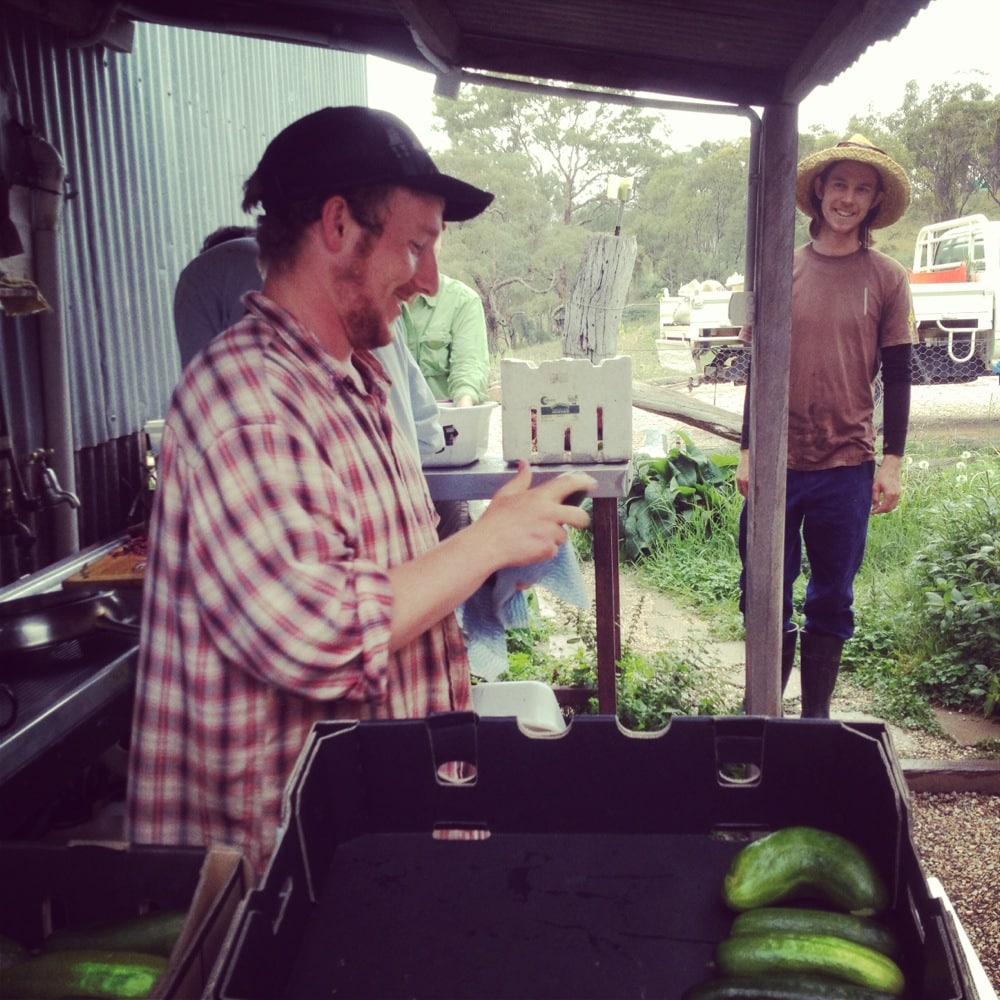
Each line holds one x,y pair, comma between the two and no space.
956,598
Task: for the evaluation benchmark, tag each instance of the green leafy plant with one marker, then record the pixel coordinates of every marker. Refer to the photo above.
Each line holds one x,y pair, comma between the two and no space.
684,486
650,689
956,599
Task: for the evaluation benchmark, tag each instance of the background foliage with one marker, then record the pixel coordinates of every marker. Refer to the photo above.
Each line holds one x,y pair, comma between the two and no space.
547,159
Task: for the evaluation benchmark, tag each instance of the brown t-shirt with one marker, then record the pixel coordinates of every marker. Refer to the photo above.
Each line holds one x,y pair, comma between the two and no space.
844,310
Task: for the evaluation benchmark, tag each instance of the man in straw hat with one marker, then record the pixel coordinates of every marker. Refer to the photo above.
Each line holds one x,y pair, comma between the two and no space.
295,572
851,316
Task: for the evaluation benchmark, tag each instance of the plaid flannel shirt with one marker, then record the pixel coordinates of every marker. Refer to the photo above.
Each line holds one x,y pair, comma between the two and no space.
281,502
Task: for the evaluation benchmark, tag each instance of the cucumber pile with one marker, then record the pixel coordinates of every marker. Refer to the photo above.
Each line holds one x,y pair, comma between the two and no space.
837,950
119,960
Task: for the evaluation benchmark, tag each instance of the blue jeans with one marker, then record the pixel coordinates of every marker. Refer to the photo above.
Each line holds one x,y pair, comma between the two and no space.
828,512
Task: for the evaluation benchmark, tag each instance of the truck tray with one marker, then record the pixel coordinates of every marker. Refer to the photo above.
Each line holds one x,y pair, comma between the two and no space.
584,865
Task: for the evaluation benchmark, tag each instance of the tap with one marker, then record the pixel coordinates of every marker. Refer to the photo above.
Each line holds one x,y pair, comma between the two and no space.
24,538
9,522
52,492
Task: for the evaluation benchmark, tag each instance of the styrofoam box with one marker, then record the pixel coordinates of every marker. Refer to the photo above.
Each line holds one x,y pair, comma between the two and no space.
569,410
466,434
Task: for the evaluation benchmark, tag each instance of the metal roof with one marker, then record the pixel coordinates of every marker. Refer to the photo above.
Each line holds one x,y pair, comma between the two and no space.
752,52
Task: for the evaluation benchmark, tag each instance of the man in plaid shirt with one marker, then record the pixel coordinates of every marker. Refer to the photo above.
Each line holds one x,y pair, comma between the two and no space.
295,572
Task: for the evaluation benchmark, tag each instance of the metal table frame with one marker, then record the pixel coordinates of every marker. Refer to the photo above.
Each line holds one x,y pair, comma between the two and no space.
483,478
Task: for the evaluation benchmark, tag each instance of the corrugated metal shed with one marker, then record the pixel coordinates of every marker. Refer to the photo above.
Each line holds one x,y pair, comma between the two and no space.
140,134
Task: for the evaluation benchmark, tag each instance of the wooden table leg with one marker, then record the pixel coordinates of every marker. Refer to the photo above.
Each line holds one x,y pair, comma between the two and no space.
607,601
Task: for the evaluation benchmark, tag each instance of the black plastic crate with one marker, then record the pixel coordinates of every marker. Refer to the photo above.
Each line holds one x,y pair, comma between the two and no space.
587,865
48,887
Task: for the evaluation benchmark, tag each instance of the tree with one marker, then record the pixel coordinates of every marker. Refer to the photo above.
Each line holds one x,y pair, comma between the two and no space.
571,145
952,138
692,223
517,255
547,160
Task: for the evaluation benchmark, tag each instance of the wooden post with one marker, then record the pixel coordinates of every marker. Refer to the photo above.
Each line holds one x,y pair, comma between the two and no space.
769,410
594,310
593,318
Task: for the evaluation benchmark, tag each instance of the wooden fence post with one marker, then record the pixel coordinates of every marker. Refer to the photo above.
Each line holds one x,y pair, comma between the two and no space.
595,307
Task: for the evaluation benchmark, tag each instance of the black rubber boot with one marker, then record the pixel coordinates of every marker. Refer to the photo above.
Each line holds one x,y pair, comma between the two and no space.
820,664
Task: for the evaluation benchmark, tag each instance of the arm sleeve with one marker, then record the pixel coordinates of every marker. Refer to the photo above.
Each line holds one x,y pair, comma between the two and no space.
291,602
426,416
745,429
470,356
896,399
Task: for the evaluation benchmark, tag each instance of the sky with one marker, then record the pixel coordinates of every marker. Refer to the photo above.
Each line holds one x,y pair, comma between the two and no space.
940,45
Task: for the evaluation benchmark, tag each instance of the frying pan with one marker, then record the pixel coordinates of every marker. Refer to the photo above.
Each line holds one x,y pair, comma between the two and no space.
40,621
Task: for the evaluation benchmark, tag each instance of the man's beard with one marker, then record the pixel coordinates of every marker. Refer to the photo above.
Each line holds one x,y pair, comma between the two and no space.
366,326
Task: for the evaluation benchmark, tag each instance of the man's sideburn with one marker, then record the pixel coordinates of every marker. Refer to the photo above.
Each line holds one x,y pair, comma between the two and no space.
366,327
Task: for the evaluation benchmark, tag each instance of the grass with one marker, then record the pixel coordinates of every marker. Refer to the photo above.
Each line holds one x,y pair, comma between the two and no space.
927,597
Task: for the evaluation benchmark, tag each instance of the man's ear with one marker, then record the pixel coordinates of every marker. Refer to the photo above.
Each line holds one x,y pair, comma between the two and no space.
335,221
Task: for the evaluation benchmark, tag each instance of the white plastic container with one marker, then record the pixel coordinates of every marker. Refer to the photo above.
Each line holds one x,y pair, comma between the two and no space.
532,703
466,434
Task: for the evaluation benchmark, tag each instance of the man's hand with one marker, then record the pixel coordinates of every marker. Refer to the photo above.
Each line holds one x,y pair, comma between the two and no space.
520,526
888,484
743,473
524,524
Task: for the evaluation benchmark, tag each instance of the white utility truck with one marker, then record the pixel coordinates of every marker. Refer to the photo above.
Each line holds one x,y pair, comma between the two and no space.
954,281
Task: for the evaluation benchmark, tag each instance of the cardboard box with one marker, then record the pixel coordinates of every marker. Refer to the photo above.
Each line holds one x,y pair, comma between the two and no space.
588,864
46,887
567,411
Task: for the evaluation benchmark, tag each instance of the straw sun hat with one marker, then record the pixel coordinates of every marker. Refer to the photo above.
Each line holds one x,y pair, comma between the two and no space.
895,184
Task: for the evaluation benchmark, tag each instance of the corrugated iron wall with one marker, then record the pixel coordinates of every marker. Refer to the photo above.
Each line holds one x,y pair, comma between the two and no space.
157,143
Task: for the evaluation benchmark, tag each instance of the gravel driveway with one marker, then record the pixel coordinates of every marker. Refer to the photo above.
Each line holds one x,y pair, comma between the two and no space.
967,414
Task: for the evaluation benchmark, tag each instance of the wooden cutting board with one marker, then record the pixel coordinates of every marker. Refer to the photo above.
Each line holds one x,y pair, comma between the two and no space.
123,566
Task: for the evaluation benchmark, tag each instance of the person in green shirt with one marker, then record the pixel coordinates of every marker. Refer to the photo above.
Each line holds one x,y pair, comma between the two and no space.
446,333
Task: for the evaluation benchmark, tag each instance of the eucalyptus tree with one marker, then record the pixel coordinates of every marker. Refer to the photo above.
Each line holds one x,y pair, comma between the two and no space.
547,159
953,138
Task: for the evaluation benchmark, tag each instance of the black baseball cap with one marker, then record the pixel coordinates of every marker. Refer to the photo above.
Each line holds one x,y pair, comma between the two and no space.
335,149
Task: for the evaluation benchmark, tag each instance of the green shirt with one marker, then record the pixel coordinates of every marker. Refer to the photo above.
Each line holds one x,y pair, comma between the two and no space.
446,333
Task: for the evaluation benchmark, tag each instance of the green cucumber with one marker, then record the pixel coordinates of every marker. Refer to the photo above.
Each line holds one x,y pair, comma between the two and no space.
152,934
821,954
88,973
781,986
790,919
804,862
